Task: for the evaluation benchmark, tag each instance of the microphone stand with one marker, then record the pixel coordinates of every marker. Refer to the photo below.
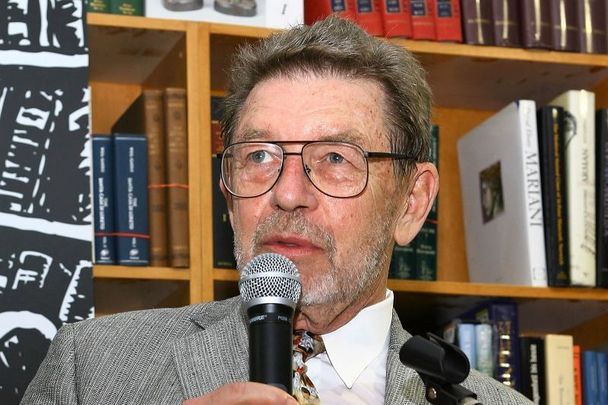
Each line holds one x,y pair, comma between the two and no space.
441,367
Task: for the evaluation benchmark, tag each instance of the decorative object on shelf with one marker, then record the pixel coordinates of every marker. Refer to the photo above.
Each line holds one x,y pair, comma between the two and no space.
182,5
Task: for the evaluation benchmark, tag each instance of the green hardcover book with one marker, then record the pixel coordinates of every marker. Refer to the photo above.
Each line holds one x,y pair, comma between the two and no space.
127,7
425,243
98,6
403,263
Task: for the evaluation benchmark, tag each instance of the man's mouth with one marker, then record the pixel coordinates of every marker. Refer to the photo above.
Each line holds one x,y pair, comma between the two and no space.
291,246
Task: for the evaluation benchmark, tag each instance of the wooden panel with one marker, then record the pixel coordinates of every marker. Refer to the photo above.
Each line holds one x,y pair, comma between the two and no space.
108,102
592,333
136,272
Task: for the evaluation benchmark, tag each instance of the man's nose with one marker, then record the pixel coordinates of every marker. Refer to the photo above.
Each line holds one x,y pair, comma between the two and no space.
293,189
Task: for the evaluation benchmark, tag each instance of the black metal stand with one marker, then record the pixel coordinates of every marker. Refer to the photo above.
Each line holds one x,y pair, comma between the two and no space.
441,366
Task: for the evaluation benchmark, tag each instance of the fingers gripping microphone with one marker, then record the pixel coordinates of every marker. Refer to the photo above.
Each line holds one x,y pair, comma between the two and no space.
270,288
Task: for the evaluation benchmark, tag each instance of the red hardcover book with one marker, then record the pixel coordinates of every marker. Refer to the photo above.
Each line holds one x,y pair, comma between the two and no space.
423,20
447,20
319,9
396,18
369,16
578,383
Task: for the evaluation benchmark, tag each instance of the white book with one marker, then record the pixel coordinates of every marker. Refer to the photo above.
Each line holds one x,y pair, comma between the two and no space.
559,369
502,200
580,183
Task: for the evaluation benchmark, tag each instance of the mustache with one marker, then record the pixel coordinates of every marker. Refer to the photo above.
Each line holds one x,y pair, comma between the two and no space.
296,223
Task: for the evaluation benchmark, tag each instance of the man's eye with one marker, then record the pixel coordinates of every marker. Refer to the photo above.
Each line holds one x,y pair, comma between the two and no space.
258,156
335,158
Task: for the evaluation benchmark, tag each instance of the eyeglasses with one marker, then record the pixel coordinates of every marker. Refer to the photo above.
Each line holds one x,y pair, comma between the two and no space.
337,169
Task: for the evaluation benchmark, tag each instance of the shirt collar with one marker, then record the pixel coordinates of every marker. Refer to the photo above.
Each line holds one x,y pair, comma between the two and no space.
352,347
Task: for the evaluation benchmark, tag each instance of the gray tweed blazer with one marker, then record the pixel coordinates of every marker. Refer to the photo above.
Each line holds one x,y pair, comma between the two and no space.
164,356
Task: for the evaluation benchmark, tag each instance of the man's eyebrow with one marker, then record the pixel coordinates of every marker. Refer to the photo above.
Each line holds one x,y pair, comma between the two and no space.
251,134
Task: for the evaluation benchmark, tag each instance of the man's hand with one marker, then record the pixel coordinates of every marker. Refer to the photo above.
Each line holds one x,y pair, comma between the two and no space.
244,393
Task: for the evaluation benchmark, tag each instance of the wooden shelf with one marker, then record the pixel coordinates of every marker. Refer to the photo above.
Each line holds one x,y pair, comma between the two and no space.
142,273
225,275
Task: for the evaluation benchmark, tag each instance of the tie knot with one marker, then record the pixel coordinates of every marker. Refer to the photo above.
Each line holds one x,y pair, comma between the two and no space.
308,344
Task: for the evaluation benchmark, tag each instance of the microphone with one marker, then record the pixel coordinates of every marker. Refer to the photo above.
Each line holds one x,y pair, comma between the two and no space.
270,288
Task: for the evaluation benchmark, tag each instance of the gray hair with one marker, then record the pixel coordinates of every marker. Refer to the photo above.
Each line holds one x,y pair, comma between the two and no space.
338,47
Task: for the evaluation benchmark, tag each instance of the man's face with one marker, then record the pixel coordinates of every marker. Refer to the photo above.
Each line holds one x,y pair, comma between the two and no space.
341,246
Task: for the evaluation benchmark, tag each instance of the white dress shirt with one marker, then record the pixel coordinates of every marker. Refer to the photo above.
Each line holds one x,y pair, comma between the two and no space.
353,368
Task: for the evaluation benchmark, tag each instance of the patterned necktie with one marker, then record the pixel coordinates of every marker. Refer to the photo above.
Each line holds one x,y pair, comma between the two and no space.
305,346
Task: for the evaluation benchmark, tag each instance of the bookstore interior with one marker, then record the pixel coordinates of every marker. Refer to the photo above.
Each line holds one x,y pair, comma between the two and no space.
511,264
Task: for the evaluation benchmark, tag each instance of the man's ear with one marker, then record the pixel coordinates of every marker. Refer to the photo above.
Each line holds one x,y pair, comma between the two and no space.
422,190
229,201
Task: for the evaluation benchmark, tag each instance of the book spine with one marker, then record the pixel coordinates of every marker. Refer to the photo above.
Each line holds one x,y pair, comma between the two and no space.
559,369
369,16
536,24
98,6
396,18
177,176
550,133
505,319
425,246
591,393
592,26
505,19
315,10
423,20
466,341
578,388
532,369
103,199
223,254
157,191
564,24
483,341
403,263
127,7
602,377
477,22
601,177
131,199
533,195
447,20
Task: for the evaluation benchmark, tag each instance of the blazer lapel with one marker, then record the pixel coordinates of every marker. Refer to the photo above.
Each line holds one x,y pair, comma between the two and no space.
206,359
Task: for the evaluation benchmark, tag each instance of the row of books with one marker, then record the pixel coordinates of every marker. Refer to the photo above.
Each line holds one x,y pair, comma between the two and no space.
140,184
548,369
529,188
121,7
418,260
564,25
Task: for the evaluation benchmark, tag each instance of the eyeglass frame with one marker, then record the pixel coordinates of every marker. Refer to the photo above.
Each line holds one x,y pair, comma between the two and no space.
366,154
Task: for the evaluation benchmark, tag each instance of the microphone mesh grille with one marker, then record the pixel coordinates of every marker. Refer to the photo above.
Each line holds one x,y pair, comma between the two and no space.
256,283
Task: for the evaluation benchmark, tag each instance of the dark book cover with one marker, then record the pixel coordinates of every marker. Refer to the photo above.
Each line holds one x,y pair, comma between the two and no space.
103,199
146,115
127,7
448,25
403,263
98,6
477,22
223,236
315,10
564,23
176,132
533,368
551,127
423,19
601,159
369,16
131,199
503,316
396,18
505,19
536,29
592,26
425,246
590,374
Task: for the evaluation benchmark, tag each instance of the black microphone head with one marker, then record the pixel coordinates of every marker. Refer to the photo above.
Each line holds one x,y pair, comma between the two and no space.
270,278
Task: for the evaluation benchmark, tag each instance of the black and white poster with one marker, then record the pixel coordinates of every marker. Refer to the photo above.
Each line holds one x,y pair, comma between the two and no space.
45,204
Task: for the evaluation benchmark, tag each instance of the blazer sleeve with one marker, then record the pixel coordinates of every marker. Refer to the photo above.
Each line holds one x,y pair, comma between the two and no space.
55,381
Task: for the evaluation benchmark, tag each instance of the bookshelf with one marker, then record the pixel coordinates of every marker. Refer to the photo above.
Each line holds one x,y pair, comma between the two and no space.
469,83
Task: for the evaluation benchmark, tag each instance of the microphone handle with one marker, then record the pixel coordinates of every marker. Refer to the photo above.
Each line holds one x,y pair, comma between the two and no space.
271,345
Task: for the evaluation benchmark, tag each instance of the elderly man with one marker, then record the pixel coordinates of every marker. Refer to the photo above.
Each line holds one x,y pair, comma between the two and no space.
326,132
